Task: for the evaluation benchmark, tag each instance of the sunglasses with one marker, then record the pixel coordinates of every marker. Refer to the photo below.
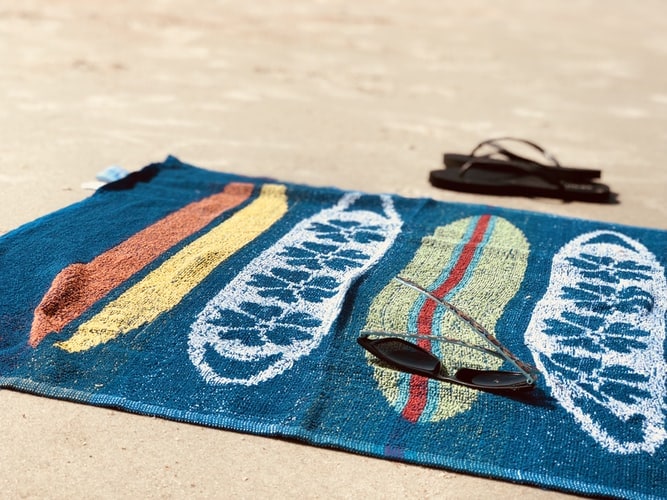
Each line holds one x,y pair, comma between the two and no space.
405,356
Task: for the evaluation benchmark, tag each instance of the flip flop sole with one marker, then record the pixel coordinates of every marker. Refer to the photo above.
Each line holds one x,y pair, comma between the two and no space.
507,182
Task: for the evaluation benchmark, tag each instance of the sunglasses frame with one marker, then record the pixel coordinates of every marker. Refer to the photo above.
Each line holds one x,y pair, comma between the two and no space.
489,380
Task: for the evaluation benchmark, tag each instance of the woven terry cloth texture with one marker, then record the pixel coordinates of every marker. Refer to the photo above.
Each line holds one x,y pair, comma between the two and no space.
236,302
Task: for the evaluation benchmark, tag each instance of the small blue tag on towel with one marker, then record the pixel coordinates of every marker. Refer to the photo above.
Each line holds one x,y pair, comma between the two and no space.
111,174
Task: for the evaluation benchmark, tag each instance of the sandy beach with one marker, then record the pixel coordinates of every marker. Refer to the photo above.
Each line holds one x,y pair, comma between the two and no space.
364,96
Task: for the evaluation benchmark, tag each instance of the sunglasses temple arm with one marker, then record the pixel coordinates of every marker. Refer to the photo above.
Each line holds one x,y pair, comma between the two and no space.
526,370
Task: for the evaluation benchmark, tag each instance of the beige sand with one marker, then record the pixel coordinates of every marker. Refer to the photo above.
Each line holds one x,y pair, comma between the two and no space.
363,95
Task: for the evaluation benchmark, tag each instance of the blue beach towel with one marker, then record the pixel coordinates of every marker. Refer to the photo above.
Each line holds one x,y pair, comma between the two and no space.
236,302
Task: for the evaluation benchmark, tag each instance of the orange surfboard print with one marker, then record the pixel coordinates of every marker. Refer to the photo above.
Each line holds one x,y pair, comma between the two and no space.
79,285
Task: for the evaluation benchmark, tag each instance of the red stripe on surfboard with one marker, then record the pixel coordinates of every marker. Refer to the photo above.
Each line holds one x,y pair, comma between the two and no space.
79,286
419,385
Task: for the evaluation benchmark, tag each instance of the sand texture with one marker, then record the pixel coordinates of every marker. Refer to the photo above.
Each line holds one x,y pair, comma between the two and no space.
360,95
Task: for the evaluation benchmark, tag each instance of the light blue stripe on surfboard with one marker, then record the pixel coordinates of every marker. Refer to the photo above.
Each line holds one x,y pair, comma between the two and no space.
438,314
404,382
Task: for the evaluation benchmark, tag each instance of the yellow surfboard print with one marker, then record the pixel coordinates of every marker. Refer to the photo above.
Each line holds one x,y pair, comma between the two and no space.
163,288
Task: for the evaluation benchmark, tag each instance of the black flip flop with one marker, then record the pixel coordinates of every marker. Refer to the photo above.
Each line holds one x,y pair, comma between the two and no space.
500,155
514,175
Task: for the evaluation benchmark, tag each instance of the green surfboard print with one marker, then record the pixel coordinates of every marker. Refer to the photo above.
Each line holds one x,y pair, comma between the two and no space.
476,263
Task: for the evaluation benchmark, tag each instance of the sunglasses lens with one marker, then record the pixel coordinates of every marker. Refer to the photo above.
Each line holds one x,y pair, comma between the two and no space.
405,355
489,379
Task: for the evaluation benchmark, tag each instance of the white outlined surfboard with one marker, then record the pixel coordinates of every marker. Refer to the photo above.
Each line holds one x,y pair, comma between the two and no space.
598,337
279,308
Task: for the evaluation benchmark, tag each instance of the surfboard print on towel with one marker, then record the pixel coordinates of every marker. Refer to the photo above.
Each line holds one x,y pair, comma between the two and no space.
78,286
598,337
279,307
477,263
165,286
